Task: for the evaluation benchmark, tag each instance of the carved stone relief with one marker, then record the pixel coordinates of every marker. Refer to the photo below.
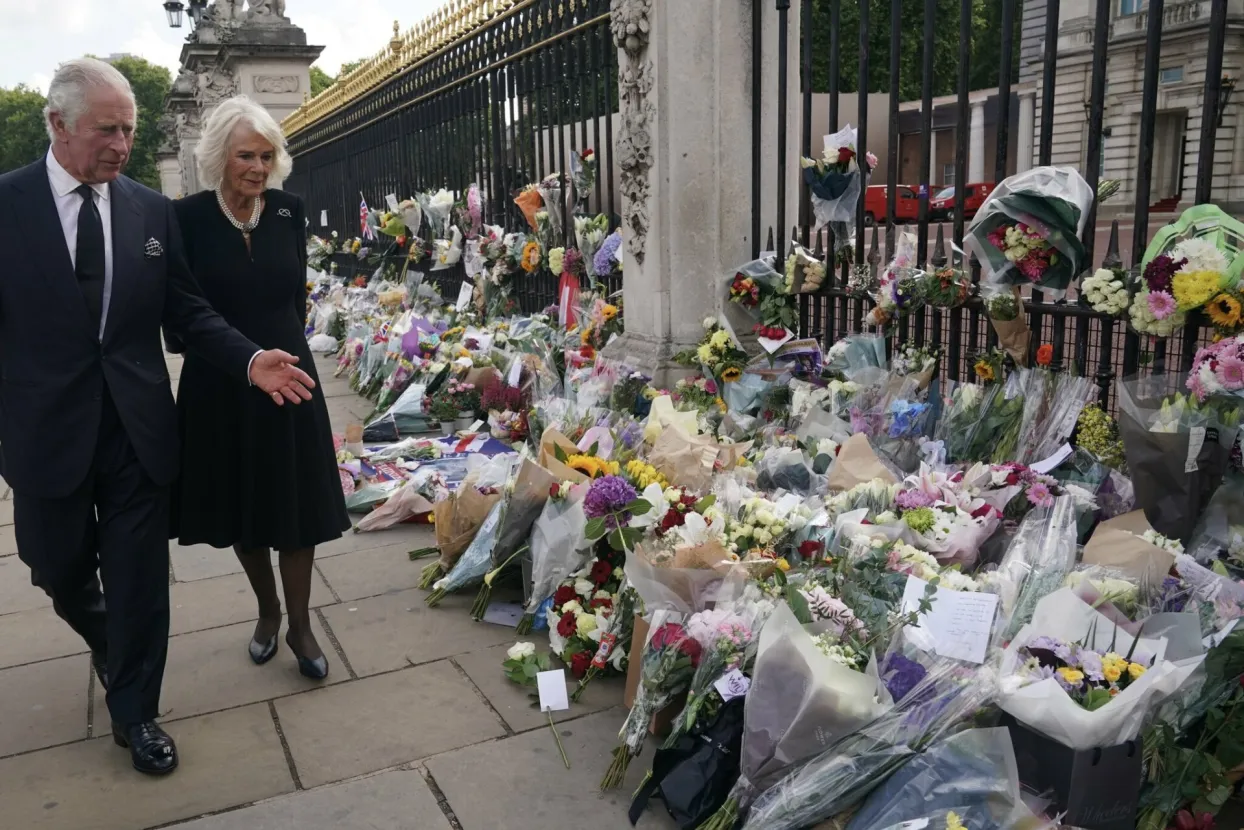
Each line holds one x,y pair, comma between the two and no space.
275,83
630,24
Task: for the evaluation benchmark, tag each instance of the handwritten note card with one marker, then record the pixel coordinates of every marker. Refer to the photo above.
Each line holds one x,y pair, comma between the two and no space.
464,295
732,684
960,621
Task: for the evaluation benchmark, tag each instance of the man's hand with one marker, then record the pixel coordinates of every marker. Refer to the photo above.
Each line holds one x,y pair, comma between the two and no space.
274,372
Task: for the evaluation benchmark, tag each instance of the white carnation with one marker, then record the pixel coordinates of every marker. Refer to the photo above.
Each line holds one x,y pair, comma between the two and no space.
520,651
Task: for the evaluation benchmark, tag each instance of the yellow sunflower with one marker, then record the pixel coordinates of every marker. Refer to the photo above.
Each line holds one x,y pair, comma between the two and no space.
1224,311
531,257
984,370
609,311
591,466
731,375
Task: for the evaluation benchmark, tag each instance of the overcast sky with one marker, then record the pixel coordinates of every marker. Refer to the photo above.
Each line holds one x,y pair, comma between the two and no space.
36,35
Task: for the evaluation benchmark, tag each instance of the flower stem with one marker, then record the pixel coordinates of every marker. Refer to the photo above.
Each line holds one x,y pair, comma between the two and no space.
434,599
724,819
524,624
430,574
616,773
423,553
587,678
558,738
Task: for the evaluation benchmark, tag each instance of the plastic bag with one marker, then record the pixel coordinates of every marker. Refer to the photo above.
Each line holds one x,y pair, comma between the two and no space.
559,545
746,394
1220,531
475,560
1041,555
1177,453
784,468
406,503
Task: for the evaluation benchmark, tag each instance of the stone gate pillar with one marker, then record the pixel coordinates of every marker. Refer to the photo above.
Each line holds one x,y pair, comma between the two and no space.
685,158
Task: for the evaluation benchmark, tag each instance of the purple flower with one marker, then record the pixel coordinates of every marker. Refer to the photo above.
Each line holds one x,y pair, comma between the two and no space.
913,500
604,259
1090,664
901,675
607,496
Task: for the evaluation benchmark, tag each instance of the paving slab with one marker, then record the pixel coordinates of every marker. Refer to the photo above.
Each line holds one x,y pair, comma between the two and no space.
211,670
396,800
514,702
380,722
393,631
411,535
28,636
6,513
195,562
534,789
43,704
227,759
8,540
16,592
369,573
223,600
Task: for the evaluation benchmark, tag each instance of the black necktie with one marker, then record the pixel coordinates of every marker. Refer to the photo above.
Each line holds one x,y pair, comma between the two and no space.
89,265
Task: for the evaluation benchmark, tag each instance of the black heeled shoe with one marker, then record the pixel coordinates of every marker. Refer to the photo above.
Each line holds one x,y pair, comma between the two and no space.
152,751
262,652
315,669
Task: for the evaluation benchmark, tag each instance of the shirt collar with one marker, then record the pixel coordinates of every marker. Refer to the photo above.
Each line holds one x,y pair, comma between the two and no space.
63,183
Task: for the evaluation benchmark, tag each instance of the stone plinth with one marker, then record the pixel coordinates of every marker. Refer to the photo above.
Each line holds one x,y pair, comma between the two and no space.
685,156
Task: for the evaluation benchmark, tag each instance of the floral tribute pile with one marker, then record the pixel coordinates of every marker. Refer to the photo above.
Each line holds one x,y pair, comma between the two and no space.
839,587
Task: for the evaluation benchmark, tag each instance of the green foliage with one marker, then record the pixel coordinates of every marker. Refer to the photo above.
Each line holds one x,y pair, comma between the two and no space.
320,81
150,84
23,138
986,47
523,672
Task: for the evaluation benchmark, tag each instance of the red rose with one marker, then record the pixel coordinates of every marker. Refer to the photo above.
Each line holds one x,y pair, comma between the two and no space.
667,635
564,595
554,490
691,647
601,571
1012,479
566,625
809,549
982,512
579,664
845,154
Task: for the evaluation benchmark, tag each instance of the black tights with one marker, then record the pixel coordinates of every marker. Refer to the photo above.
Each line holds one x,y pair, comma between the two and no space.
296,571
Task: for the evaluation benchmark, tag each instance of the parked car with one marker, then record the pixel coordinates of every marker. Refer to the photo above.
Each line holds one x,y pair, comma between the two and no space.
942,205
906,204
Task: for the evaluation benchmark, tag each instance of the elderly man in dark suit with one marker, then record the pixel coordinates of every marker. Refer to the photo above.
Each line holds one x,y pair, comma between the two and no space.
93,267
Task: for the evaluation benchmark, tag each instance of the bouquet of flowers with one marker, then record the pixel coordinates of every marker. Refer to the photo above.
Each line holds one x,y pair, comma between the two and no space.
947,287
763,292
436,208
457,522
1010,322
900,290
834,180
452,400
1052,404
1106,291
583,174
699,393
718,354
1154,310
960,428
1218,369
805,274
1028,230
1074,676
1039,558
1177,451
580,612
1193,265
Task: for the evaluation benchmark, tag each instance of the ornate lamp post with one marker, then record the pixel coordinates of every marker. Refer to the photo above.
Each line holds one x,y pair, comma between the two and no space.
173,10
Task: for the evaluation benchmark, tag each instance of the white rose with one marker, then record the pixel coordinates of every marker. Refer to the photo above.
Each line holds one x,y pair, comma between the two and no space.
572,607
520,651
584,587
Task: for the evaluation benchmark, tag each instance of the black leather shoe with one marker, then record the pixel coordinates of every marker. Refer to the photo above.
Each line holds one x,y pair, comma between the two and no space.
262,652
314,669
151,749
100,663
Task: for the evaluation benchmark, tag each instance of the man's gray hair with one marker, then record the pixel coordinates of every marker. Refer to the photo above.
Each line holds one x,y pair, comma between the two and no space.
67,91
212,152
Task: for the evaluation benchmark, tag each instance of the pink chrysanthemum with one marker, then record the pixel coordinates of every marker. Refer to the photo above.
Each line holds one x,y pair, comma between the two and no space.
1196,386
1161,304
1231,372
1040,495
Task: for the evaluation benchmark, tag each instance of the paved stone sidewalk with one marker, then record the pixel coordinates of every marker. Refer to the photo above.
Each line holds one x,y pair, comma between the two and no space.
415,729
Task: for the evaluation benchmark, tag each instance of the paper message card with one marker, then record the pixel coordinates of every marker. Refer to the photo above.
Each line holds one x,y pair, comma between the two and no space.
552,688
960,621
464,296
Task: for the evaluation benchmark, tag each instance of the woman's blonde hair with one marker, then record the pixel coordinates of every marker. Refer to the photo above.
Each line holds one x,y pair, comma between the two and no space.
212,151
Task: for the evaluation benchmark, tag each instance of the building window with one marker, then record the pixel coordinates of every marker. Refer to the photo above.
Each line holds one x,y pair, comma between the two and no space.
1172,74
1131,6
948,174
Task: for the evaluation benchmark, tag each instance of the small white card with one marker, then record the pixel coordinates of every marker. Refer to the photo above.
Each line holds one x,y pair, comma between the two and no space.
476,427
391,201
552,688
770,345
960,621
503,613
1044,467
563,308
323,219
516,371
464,296
1196,440
732,684
786,504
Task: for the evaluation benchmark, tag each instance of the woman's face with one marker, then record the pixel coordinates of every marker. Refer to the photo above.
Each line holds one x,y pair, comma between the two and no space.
250,161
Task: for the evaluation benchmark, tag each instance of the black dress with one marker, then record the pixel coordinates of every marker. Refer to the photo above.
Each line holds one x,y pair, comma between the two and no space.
253,473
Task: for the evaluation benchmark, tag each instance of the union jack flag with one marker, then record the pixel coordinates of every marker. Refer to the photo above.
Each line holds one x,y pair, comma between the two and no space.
364,228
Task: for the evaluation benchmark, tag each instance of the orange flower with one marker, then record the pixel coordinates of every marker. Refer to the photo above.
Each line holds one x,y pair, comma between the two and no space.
1045,355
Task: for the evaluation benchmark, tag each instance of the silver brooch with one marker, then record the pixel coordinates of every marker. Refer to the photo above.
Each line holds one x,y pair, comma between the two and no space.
285,212
153,248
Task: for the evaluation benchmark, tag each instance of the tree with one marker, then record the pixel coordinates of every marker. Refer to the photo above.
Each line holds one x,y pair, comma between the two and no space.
23,138
150,84
320,81
347,68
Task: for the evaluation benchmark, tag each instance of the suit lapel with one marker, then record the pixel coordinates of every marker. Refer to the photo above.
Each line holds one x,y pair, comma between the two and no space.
127,250
42,222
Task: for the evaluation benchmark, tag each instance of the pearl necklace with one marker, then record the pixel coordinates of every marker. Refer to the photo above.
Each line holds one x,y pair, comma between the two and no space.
244,227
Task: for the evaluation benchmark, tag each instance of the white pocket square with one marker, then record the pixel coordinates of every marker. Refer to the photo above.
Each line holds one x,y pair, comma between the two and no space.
153,248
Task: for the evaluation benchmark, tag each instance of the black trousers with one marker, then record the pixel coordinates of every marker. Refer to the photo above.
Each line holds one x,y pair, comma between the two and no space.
115,525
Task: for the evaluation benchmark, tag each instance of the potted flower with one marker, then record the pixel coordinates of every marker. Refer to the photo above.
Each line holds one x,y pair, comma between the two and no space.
453,405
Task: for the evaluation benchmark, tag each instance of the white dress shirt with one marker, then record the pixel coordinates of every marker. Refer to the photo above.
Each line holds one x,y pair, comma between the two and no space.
68,203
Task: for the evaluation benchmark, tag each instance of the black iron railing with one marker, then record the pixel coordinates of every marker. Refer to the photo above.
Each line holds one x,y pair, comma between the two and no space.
1083,340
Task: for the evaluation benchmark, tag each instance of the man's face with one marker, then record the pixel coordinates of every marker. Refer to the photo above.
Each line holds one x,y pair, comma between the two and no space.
98,147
